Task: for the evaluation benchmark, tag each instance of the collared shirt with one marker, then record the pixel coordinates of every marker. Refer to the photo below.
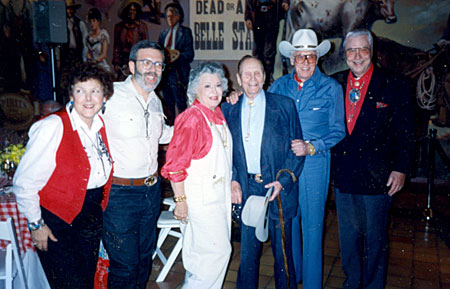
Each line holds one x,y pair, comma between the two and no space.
39,161
192,140
252,123
174,36
320,106
134,143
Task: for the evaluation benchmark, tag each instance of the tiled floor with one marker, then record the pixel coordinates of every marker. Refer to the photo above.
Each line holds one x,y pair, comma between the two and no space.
419,257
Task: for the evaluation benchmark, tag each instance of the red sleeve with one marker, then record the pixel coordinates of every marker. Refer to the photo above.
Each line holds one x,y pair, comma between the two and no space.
191,139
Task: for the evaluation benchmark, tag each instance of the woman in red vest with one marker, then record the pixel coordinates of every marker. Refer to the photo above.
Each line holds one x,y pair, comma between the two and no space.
63,180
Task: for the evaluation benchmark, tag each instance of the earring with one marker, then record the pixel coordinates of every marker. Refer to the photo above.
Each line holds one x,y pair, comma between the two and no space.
103,107
71,106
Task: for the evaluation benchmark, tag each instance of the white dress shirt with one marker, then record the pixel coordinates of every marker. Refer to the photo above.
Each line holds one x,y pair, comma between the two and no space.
134,145
39,161
174,36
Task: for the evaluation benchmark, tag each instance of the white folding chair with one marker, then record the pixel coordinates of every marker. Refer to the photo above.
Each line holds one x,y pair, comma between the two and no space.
9,269
167,225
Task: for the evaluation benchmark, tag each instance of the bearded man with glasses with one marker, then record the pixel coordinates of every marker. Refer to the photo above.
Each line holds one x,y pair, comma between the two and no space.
319,102
371,163
135,126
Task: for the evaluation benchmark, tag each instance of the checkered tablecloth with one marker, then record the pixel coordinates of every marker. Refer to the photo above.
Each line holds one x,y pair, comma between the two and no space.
8,208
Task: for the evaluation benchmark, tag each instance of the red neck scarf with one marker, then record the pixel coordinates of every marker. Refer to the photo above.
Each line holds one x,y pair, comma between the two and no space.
361,84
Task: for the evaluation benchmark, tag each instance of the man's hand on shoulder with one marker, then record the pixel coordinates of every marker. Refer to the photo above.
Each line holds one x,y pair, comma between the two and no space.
233,97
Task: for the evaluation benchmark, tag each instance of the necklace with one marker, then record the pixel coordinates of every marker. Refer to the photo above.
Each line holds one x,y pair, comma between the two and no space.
251,104
223,135
100,148
355,92
354,95
146,115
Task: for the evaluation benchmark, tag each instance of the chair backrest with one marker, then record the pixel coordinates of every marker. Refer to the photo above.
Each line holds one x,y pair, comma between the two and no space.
8,233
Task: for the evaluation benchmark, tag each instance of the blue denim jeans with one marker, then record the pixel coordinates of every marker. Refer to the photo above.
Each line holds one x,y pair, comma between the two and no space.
129,225
251,247
363,221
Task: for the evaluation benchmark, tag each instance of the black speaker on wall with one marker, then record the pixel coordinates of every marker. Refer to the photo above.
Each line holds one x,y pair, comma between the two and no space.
49,22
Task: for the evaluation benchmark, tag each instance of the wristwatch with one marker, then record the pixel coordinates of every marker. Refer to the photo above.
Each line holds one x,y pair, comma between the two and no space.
312,149
34,226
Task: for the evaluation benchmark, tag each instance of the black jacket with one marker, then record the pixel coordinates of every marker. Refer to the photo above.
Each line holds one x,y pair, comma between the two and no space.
382,140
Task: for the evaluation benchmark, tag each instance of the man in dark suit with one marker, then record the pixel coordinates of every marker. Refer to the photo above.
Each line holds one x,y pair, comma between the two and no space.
179,48
263,125
371,163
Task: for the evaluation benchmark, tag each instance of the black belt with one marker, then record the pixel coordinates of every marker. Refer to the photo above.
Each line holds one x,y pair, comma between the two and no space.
148,181
256,177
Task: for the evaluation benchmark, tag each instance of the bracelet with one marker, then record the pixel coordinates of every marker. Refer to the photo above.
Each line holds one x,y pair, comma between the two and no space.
34,226
312,149
180,199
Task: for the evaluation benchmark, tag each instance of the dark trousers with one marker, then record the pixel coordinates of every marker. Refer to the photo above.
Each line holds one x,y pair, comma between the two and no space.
129,236
363,221
251,247
265,33
71,262
174,92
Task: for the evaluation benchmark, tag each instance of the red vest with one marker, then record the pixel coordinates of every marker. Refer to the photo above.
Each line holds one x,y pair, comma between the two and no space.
64,193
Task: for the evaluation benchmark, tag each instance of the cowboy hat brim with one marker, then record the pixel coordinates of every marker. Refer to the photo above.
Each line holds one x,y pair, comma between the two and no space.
287,49
254,214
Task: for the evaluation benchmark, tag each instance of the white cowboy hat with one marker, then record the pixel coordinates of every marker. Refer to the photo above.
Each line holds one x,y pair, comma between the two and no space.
254,214
304,40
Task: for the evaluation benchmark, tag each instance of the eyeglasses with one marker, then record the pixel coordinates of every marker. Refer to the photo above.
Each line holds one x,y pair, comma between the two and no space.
363,51
300,58
148,64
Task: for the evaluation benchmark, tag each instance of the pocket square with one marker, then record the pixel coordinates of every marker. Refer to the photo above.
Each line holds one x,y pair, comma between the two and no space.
381,105
316,108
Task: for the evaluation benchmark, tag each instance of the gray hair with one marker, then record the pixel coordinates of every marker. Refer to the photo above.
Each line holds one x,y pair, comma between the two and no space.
196,73
360,32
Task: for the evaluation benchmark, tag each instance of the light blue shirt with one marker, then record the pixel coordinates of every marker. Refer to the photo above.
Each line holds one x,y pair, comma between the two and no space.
252,122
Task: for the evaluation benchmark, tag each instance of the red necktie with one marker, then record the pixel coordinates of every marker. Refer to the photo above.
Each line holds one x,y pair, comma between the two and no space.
169,41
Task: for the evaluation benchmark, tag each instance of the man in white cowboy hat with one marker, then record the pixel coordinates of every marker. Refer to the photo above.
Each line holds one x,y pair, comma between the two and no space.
320,106
261,125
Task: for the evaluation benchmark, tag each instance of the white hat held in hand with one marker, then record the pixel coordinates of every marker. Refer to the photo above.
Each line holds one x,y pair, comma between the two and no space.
254,214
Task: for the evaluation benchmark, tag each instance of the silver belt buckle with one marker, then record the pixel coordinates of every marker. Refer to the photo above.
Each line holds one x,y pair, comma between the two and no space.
258,178
150,181
264,9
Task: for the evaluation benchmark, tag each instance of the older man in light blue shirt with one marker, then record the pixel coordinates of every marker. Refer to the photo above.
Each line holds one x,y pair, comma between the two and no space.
253,114
262,126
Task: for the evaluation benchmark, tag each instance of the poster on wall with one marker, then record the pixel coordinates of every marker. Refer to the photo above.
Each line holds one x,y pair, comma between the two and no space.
219,30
